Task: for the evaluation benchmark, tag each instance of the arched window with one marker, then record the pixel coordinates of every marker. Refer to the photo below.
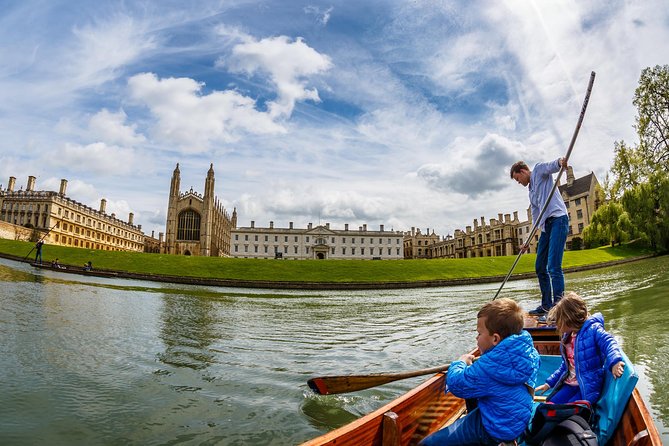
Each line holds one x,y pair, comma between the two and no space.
189,226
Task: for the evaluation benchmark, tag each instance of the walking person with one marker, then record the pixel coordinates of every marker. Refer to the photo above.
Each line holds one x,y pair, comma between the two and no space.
554,226
38,251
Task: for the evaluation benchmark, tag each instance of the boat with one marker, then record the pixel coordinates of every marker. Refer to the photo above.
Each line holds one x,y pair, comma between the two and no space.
71,269
427,408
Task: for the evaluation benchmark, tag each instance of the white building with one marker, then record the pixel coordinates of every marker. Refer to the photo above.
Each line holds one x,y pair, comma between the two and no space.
316,242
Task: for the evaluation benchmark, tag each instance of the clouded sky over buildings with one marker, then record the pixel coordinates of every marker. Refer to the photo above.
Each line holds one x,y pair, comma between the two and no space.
402,113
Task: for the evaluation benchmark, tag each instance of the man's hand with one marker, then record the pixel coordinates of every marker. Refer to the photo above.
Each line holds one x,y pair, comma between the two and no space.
524,248
563,162
467,358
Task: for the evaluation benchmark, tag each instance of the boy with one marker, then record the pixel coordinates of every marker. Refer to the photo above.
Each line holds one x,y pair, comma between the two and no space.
502,380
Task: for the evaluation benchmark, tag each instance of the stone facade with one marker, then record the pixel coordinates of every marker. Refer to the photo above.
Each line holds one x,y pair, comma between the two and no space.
416,244
580,197
68,222
316,242
197,224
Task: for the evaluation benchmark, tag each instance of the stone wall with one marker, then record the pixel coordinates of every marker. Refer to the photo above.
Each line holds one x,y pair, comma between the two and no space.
14,232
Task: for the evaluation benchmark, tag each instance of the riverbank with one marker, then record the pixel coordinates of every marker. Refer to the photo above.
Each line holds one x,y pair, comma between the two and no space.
310,274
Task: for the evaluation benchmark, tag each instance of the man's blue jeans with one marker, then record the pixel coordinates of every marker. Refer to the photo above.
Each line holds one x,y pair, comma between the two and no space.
467,430
549,260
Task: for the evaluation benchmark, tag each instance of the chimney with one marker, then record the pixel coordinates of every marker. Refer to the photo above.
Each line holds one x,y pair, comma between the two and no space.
139,227
346,227
570,176
476,223
11,184
271,225
499,217
515,215
113,216
364,227
103,206
63,187
309,226
381,228
131,216
31,184
327,225
160,237
290,225
507,217
482,221
152,234
468,229
413,231
253,224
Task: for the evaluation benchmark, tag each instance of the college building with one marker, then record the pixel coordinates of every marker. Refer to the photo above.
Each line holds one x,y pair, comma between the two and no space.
316,242
66,221
197,224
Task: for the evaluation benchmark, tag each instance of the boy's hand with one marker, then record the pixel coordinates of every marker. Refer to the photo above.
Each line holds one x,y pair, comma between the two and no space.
617,369
542,388
467,358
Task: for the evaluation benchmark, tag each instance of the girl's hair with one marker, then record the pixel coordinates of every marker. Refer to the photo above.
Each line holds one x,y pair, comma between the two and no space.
503,316
571,311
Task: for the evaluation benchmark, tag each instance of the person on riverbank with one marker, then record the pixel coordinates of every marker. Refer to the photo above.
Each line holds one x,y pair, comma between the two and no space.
554,226
588,352
501,380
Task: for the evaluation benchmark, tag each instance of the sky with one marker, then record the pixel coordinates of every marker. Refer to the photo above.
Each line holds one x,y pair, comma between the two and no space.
401,113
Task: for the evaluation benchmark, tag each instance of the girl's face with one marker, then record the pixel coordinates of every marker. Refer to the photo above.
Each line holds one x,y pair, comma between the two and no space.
564,328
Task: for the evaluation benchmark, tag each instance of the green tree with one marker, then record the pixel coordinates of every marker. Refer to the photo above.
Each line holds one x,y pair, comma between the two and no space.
647,206
609,224
651,99
628,168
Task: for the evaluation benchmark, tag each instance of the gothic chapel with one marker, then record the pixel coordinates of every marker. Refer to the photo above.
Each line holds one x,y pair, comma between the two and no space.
197,224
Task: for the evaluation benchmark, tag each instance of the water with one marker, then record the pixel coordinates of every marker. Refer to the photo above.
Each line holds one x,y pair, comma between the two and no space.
87,361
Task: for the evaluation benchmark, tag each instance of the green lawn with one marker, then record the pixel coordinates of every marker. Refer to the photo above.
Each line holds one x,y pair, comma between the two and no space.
310,270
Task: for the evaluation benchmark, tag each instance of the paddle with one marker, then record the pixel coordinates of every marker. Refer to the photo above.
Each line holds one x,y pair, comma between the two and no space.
328,385
557,180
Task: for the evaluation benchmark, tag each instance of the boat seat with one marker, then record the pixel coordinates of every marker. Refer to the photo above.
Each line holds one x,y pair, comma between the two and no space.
615,395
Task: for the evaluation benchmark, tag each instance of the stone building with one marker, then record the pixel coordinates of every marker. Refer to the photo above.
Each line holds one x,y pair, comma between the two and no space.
197,224
70,223
316,242
496,238
580,197
416,244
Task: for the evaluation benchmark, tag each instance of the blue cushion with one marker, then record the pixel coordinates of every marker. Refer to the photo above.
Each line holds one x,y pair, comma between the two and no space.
615,395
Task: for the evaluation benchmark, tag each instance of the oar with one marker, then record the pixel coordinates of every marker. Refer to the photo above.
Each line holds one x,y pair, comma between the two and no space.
43,237
328,385
557,180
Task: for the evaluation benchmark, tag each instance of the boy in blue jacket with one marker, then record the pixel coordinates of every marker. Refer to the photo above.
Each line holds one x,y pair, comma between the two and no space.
502,380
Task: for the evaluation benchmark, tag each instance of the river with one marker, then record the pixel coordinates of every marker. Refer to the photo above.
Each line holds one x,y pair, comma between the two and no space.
94,361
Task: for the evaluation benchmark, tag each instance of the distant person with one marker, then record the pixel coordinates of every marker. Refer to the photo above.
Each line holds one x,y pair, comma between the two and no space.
588,352
38,251
88,266
502,380
554,226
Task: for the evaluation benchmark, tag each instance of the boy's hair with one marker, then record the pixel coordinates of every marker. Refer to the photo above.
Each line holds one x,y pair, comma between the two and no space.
503,316
570,311
517,167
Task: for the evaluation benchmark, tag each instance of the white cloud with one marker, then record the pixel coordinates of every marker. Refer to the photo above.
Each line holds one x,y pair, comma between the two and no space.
110,128
288,63
194,121
98,158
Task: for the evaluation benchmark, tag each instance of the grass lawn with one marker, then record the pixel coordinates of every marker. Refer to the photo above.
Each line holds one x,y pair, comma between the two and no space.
310,270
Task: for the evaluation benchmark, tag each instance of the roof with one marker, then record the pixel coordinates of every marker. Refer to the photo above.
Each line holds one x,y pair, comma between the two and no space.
579,186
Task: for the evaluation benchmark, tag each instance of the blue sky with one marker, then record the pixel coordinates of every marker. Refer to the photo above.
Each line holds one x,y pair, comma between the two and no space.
402,113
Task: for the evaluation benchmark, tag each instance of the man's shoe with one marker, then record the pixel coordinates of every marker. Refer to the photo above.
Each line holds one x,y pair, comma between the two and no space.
539,311
541,319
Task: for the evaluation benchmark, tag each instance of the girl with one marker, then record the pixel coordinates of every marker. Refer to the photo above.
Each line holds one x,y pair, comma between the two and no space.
587,352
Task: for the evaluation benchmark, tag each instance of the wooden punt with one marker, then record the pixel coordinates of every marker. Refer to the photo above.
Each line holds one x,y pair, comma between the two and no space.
70,269
426,408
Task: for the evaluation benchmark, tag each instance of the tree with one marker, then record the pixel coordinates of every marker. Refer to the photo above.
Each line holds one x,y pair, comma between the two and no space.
609,224
651,99
628,168
647,206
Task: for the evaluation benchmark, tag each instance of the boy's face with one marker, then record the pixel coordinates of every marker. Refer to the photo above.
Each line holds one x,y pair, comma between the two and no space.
484,340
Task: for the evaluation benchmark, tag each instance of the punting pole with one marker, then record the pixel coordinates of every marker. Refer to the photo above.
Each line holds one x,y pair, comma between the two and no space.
43,237
557,180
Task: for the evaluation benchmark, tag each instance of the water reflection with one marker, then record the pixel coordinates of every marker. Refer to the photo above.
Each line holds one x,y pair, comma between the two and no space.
187,330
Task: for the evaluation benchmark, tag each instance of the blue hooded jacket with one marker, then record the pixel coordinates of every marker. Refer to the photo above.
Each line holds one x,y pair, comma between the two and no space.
500,380
595,352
